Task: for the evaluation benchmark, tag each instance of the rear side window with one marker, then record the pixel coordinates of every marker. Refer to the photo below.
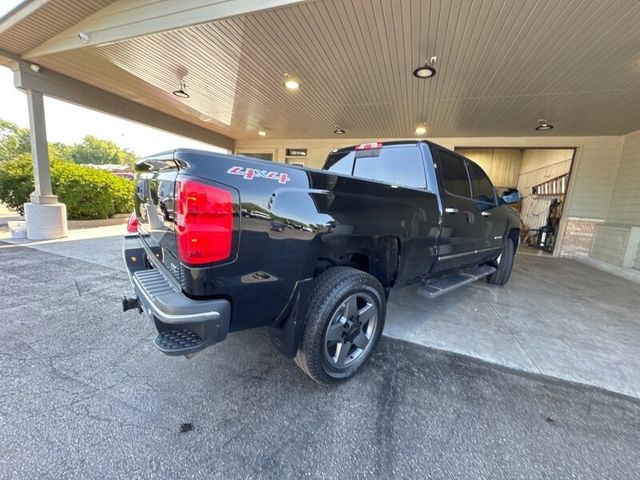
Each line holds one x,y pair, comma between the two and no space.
481,186
400,166
340,162
454,175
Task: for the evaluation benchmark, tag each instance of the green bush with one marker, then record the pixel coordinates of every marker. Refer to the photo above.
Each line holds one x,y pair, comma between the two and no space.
88,193
16,182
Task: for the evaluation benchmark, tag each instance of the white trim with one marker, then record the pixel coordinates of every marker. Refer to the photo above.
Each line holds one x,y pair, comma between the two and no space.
126,19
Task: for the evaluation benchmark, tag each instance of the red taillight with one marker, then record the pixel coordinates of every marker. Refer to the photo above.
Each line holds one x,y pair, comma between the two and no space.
204,222
132,223
369,146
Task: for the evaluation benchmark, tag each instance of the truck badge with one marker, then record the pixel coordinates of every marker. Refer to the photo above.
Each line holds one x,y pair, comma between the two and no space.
251,173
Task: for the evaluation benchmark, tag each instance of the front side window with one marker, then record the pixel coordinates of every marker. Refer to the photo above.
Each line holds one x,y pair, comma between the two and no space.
481,187
401,166
453,172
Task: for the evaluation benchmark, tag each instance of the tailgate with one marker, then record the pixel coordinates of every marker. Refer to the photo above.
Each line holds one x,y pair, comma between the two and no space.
155,208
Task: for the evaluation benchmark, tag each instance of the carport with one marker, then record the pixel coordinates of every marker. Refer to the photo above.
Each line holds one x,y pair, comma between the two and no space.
289,81
216,71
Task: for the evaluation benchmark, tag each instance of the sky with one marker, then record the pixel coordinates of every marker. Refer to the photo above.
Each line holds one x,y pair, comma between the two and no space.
7,5
69,123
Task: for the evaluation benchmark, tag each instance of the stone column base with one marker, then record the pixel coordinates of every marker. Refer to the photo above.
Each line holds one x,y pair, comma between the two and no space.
45,221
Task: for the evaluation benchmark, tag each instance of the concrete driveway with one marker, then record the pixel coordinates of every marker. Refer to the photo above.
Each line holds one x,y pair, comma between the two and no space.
85,395
556,317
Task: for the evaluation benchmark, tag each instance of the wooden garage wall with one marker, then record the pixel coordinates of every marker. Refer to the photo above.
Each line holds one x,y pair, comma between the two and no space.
540,165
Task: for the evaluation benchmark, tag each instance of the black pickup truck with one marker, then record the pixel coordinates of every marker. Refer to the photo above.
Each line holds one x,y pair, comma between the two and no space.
221,243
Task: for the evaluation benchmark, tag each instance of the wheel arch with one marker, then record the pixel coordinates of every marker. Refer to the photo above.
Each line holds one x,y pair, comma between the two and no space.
378,256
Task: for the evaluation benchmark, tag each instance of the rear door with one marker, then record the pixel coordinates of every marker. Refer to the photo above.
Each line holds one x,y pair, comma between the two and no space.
458,238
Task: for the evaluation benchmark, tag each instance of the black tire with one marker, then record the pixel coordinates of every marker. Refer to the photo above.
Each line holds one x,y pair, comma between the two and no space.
331,304
504,264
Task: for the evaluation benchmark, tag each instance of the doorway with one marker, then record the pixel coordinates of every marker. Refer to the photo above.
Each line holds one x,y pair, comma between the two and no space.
541,175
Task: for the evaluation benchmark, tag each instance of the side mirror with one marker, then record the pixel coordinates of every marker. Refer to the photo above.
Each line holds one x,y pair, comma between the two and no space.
511,196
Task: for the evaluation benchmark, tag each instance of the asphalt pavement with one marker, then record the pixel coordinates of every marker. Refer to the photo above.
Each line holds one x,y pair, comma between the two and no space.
85,395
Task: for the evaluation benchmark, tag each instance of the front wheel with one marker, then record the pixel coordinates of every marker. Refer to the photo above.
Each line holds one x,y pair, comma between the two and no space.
503,264
345,320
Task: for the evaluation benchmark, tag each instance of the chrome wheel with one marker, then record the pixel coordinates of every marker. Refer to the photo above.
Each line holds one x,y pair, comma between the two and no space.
351,331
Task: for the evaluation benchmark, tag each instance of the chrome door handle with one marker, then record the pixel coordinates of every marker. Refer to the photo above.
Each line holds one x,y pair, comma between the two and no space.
451,210
485,214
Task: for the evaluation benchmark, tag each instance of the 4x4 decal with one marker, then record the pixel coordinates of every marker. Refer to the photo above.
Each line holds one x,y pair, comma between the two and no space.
251,173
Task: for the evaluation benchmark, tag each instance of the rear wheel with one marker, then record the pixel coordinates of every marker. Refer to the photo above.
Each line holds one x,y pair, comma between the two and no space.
503,264
345,321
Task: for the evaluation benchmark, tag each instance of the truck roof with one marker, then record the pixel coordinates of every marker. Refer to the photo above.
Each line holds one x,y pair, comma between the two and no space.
384,144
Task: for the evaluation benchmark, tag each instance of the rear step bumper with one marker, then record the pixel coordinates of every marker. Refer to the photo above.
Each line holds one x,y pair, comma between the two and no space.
184,325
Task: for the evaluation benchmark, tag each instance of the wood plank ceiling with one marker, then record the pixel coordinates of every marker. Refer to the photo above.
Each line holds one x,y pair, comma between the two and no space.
502,65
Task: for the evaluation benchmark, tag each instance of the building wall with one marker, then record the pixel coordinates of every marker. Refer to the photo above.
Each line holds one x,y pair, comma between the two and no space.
590,188
617,240
624,207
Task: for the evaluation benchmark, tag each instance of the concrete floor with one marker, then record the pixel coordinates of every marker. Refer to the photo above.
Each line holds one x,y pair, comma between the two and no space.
555,317
85,395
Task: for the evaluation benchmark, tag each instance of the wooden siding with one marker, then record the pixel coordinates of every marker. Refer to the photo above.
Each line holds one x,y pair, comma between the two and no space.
624,207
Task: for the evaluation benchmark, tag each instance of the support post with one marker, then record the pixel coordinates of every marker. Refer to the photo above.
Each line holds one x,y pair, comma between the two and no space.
45,217
39,150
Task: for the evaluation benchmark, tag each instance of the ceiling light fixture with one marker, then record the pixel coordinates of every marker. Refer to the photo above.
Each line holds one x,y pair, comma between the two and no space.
427,70
35,67
339,131
182,91
84,37
421,129
262,132
291,83
543,126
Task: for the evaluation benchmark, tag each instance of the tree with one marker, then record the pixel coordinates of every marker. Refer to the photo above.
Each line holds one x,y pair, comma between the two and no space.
99,152
14,140
60,150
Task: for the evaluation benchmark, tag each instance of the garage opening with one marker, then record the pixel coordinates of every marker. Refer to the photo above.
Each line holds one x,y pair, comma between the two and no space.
542,177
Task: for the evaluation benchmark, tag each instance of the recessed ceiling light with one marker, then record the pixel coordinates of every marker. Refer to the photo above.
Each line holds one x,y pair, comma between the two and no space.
427,70
339,131
291,83
262,132
182,91
84,37
421,130
543,126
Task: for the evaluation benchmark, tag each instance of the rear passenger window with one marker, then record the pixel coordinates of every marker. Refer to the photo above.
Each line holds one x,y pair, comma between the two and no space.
454,175
481,186
340,162
400,166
